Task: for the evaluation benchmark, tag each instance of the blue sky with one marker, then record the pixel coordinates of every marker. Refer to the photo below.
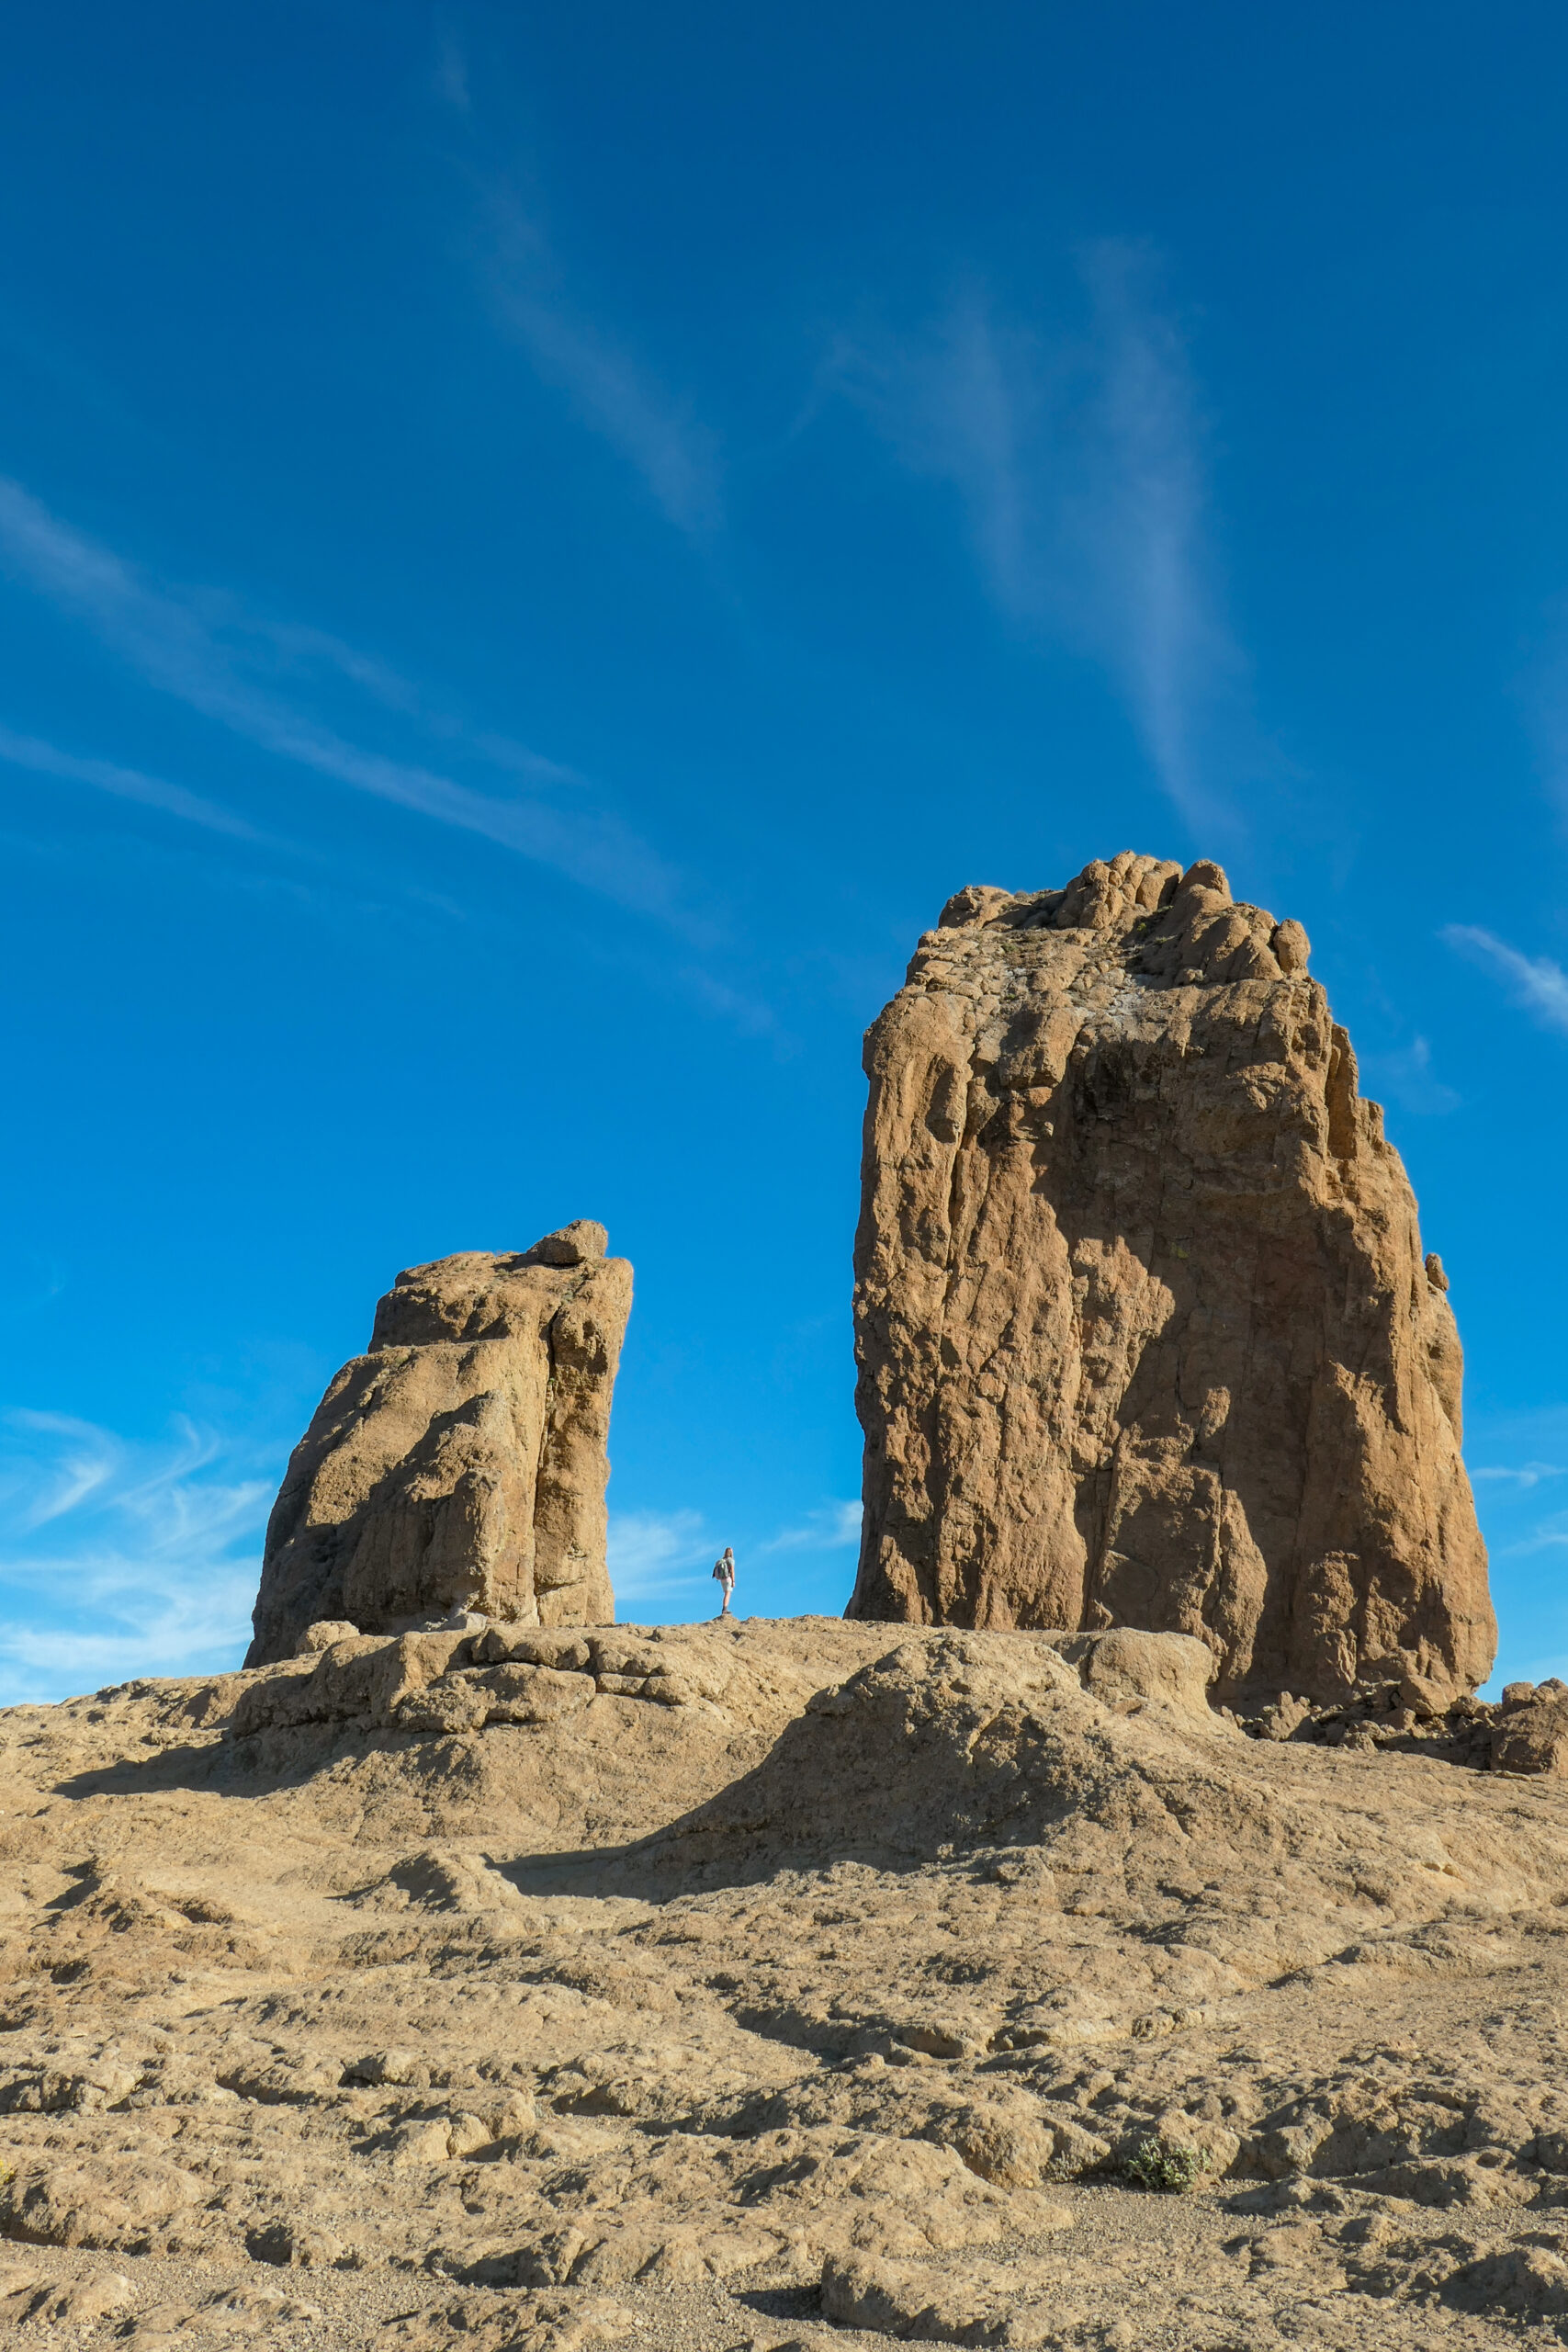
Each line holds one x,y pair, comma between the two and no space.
537,547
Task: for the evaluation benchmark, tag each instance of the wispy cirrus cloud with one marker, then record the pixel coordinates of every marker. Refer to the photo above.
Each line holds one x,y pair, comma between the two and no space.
1545,1539
828,1529
252,677
613,393
1407,1076
127,784
653,1555
1078,462
664,1559
452,72
1536,982
1519,1462
120,1558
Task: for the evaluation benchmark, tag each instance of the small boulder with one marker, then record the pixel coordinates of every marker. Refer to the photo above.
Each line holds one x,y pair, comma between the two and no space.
1533,1739
574,1245
1426,1699
322,1634
1123,1665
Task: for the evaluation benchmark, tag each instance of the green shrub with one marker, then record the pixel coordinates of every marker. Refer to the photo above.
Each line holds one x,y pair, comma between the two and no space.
1165,2165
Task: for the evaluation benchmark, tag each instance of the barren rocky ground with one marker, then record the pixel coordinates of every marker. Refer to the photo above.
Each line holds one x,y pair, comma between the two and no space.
769,1983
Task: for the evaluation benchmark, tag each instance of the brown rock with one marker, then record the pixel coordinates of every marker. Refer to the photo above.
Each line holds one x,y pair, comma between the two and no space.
461,1465
1010,2151
1123,1666
94,2201
1533,1737
324,1636
1145,1332
534,2324
983,2303
1423,1698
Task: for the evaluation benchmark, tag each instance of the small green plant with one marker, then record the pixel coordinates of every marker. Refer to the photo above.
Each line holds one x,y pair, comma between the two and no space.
1165,2166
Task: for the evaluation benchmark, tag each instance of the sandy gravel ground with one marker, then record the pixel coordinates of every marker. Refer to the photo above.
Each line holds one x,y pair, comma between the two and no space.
773,1982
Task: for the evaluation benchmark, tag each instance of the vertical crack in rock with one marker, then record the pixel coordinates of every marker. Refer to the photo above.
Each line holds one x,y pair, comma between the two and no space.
460,1463
1144,1329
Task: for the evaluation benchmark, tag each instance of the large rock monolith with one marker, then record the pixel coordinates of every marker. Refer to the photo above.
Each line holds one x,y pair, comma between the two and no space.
1144,1329
461,1463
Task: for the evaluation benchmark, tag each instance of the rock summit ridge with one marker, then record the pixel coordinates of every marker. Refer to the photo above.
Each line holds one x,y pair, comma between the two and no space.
1146,1332
460,1463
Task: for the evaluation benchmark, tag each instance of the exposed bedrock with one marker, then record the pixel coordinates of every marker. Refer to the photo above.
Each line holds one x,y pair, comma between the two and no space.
460,1463
1144,1328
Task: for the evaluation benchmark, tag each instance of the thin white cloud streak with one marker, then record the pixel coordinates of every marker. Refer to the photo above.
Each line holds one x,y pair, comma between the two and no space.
307,652
1078,465
1146,507
960,404
127,784
190,1633
748,1014
118,1559
654,1552
452,73
1537,983
198,650
1529,1473
69,1479
1407,1075
829,1529
676,456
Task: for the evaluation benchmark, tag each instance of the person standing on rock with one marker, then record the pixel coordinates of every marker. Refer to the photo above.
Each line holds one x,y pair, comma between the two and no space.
724,1576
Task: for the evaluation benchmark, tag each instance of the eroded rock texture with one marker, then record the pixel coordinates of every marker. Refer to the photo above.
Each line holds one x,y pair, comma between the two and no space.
527,1990
461,1463
1144,1328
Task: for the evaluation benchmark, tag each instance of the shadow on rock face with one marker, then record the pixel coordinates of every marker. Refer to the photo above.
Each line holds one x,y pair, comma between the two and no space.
951,1746
648,1763
937,1745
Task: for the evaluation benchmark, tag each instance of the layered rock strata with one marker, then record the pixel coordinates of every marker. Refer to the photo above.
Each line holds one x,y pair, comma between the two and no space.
459,1465
1144,1328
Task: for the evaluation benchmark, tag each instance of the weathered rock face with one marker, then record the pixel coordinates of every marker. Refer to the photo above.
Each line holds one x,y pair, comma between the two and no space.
1531,1735
461,1463
1144,1329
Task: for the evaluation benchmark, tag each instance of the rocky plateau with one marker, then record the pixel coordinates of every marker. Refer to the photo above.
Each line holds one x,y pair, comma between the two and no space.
764,1982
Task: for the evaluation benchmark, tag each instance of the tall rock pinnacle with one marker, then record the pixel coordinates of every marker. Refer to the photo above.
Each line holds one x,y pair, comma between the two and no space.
461,1462
1144,1331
